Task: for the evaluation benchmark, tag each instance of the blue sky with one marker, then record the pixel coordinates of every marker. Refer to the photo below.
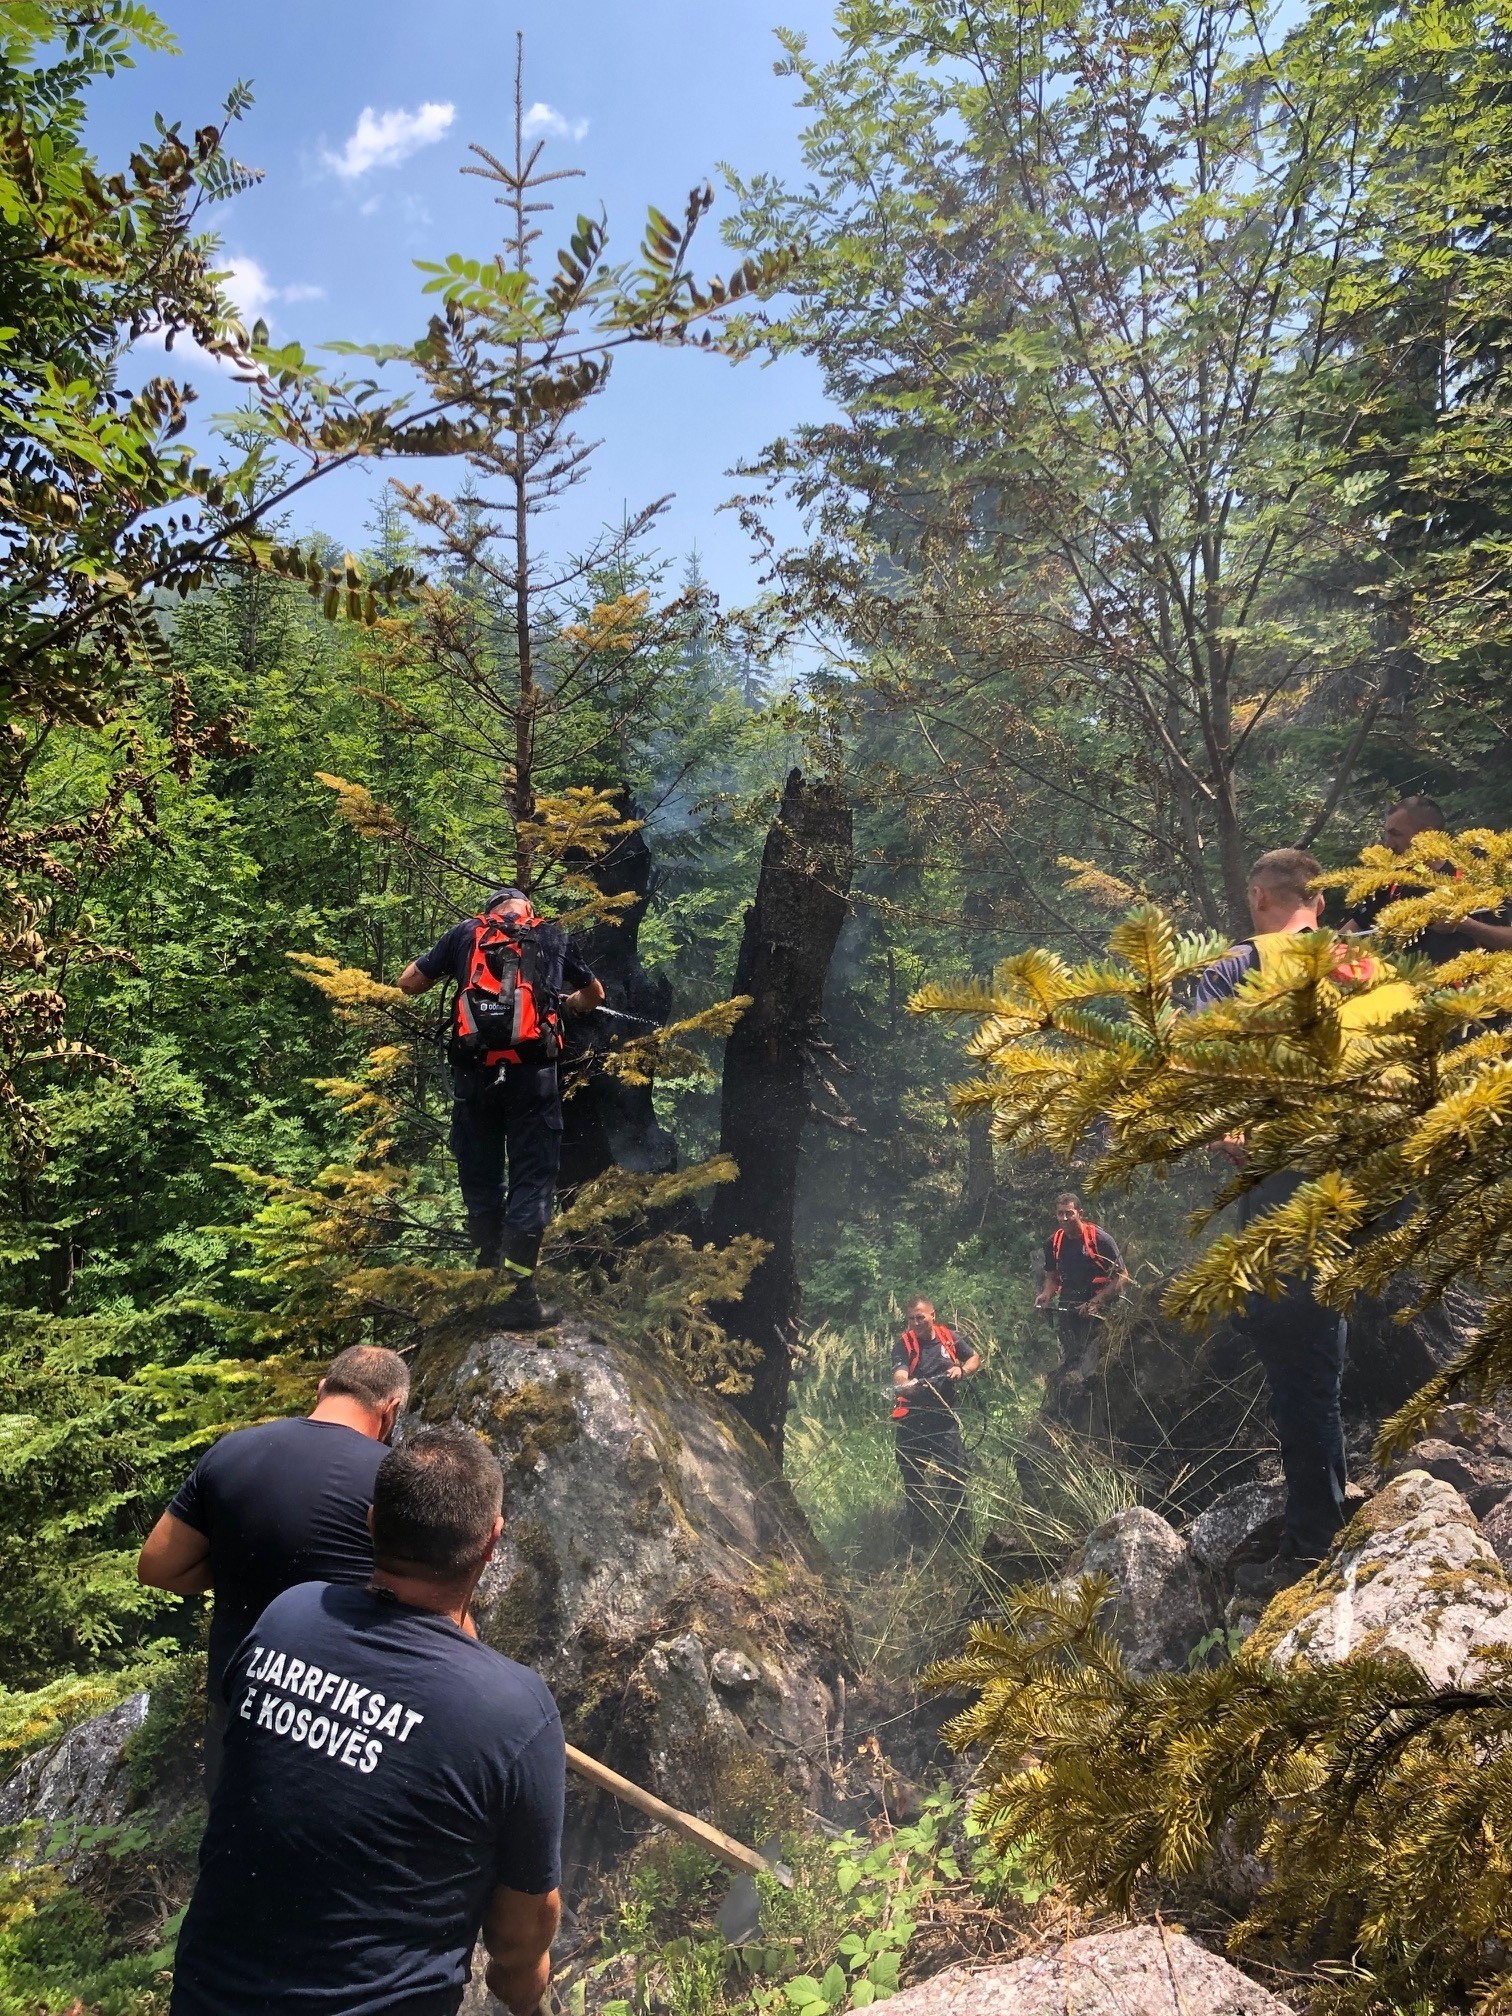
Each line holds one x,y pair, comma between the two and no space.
362,119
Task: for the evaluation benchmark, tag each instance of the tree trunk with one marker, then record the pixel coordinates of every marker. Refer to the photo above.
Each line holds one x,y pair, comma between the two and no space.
606,1121
976,1190
790,934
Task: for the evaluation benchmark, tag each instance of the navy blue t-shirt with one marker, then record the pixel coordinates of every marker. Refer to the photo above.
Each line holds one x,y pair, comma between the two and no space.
384,1773
282,1503
1217,982
1075,1269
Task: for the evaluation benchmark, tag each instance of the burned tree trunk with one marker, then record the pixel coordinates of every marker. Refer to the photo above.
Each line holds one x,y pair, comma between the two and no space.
605,1121
790,934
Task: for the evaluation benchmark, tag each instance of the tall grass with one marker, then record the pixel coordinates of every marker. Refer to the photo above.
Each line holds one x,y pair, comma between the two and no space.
1038,1495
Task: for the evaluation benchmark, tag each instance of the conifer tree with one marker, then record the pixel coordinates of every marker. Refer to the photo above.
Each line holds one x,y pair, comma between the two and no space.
1380,1804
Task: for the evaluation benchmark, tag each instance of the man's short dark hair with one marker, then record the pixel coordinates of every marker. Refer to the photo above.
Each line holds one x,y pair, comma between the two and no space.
1068,1197
367,1373
435,1499
1287,872
1422,807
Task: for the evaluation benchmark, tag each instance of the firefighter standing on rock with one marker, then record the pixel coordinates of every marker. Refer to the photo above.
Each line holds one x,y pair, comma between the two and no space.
511,969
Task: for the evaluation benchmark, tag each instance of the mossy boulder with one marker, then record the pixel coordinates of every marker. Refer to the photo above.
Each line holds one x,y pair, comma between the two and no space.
655,1569
1411,1574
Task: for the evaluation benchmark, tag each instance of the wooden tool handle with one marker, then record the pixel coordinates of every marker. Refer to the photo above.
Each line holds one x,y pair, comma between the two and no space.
729,1850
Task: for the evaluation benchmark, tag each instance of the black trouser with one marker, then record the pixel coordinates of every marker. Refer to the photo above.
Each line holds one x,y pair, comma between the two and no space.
933,1466
1300,1345
1078,1339
517,1125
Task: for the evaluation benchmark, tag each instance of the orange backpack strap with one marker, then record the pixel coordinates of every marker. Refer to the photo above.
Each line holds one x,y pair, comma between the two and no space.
911,1353
1101,1275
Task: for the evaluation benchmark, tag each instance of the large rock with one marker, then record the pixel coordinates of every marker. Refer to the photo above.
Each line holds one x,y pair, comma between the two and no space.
75,1785
1482,1478
1140,1970
1497,1529
1389,1360
655,1569
1158,1615
1411,1574
1241,1525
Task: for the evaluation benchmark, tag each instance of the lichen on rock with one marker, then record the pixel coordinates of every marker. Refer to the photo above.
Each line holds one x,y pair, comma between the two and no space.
1411,1574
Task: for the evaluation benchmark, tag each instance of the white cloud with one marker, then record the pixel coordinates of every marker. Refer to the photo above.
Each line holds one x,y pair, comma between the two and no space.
253,292
248,285
545,120
382,139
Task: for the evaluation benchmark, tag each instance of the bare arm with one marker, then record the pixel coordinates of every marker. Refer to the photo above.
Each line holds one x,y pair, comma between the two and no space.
583,1001
413,981
175,1557
518,1930
1493,937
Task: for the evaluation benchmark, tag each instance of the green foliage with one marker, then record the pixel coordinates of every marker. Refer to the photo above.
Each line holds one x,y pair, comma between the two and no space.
1378,1805
103,1416
840,1939
1394,1124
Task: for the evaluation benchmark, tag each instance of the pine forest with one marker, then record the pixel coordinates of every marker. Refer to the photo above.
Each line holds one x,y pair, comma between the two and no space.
927,1075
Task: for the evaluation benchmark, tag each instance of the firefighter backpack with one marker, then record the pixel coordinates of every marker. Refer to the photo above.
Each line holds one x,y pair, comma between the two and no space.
507,1012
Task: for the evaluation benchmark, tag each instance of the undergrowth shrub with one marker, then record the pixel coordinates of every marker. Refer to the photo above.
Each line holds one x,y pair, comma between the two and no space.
861,1914
1378,1806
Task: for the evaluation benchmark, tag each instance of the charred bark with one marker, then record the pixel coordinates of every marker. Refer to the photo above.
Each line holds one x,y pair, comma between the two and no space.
790,934
606,1122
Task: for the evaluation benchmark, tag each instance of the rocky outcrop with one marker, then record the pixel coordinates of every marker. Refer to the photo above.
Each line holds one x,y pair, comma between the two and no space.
74,1786
655,1568
1242,1525
1411,1574
1159,1613
1139,1970
1496,1527
1483,1478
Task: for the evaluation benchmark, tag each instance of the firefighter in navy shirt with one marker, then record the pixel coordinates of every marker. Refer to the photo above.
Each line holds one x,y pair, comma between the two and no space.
928,1365
392,1787
281,1503
1083,1270
507,1108
1299,1342
1482,930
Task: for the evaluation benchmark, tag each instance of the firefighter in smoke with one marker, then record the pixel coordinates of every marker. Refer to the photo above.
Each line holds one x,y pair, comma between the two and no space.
928,1366
516,976
1083,1270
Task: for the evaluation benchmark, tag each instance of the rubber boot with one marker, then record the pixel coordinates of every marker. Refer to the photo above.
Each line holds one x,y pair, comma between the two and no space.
522,1306
486,1231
